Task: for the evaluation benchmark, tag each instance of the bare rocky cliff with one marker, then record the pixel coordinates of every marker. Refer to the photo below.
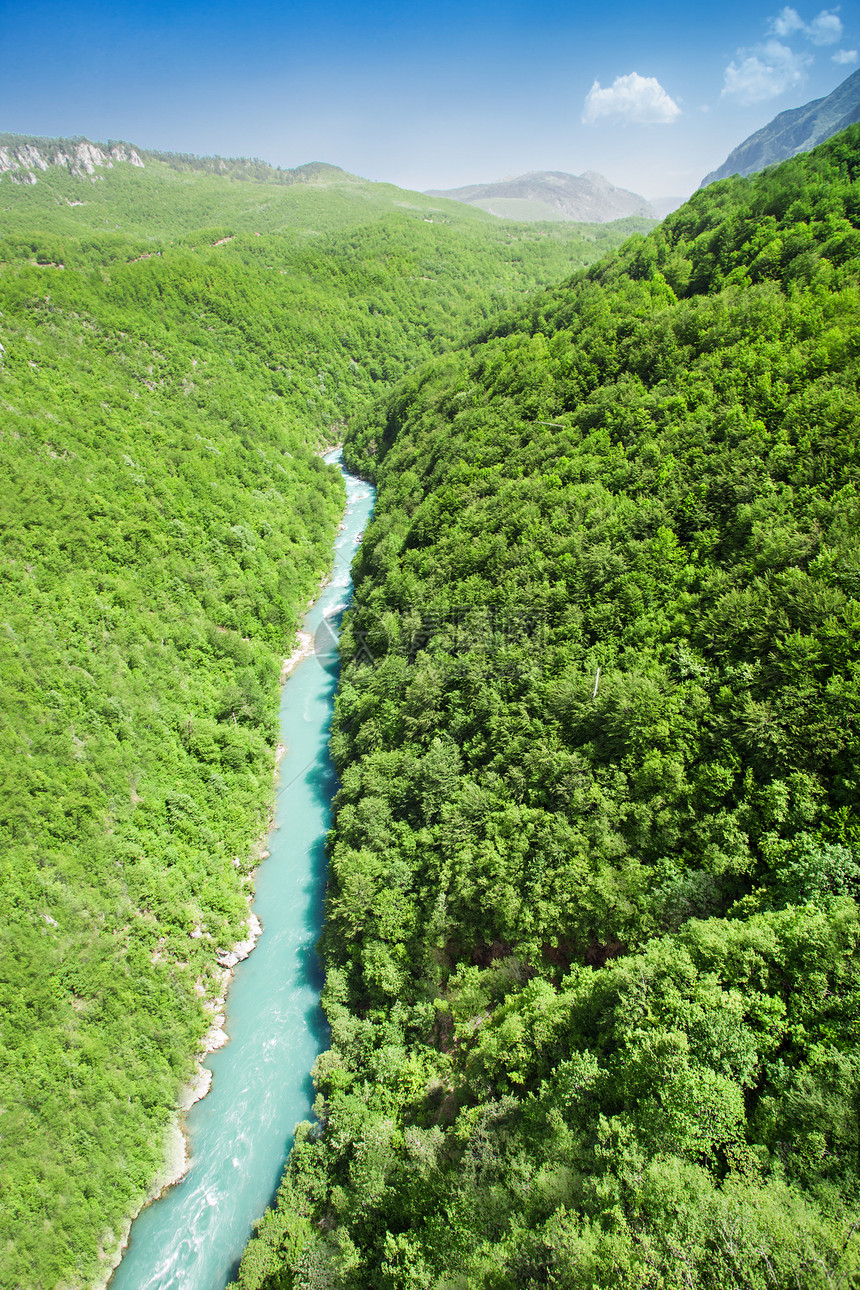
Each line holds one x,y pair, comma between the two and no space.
22,158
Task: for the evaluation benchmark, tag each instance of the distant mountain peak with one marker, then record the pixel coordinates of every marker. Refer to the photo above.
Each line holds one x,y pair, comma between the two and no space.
793,131
552,195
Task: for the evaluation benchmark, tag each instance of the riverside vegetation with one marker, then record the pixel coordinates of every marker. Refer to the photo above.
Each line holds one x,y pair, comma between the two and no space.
591,944
176,344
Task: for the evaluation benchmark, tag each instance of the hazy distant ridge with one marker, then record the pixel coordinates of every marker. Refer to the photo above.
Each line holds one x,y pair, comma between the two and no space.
252,168
794,131
552,194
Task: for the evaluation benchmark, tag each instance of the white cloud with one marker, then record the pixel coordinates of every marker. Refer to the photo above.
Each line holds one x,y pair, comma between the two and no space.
636,98
826,29
786,22
765,71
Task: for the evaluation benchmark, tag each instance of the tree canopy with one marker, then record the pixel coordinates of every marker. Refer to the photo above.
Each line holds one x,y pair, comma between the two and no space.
174,350
592,915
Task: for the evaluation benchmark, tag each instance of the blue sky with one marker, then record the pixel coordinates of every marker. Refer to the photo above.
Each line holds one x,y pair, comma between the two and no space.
426,96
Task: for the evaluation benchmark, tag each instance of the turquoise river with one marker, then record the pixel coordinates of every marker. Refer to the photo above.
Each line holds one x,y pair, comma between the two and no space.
240,1133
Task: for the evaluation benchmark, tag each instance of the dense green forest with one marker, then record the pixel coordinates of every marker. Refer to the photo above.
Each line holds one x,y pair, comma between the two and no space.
175,346
592,915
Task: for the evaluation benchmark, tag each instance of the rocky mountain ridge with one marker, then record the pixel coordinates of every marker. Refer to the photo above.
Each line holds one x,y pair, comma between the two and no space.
23,157
794,131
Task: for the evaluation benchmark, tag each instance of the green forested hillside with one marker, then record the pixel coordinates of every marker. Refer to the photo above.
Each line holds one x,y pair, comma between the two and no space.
592,915
164,522
173,196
